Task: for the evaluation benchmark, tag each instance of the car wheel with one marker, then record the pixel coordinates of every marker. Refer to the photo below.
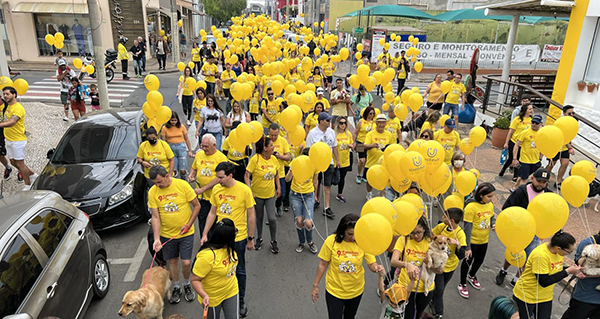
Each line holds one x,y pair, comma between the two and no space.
101,277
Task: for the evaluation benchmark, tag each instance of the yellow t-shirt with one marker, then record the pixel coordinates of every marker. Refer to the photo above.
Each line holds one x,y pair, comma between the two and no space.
329,68
448,141
205,169
293,78
317,80
160,153
481,217
295,151
212,71
187,90
519,126
326,104
435,92
253,109
198,105
233,203
266,83
272,110
263,175
459,234
529,152
282,147
311,120
303,187
173,204
401,72
232,153
427,125
228,75
196,55
345,277
343,142
381,66
540,262
382,140
413,252
396,62
365,127
455,91
217,271
17,131
387,56
393,126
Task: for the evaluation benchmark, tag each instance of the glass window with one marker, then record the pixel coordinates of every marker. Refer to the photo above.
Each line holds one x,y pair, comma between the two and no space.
75,28
92,142
19,270
48,228
592,72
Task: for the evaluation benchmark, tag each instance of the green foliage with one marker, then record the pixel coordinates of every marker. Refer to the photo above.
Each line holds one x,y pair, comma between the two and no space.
223,10
503,121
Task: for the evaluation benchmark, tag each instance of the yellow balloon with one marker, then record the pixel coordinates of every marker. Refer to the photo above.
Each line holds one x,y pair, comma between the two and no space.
569,126
191,65
518,260
443,119
161,32
180,66
411,38
21,86
235,141
401,112
155,99
378,177
180,23
77,63
310,87
151,82
585,169
408,217
389,97
550,211
575,190
453,201
400,186
163,115
359,47
476,172
370,83
320,156
244,133
373,234
418,67
381,206
435,178
289,89
416,145
466,146
358,55
50,39
363,71
300,86
413,165
236,91
148,110
465,182
515,227
277,87
446,86
290,119
391,149
59,45
354,81
433,154
477,135
415,102
201,84
388,75
344,53
257,131
548,140
302,168
405,96
296,135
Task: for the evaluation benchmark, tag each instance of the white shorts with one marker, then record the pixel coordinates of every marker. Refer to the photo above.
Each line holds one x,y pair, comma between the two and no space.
15,149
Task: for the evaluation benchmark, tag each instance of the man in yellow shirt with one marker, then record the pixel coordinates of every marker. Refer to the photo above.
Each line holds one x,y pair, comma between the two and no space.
449,139
210,70
232,199
375,142
123,56
203,173
282,153
457,91
173,225
270,110
13,123
227,77
529,159
328,70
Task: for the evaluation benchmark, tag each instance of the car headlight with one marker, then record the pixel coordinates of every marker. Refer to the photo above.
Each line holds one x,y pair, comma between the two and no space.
122,195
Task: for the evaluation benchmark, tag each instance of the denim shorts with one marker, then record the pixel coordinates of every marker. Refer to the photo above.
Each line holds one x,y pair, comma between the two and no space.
451,107
302,204
532,245
180,247
527,169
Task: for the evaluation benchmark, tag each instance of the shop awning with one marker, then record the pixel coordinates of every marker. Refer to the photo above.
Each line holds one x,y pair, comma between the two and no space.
391,10
50,7
190,6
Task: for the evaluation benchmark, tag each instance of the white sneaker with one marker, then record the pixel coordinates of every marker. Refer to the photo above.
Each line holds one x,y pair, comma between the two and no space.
26,187
369,195
33,177
189,123
65,119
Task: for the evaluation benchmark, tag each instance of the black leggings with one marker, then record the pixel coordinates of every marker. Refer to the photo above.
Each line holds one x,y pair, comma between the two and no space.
162,60
186,103
441,281
197,66
421,302
400,86
542,310
341,308
343,172
475,261
509,160
578,309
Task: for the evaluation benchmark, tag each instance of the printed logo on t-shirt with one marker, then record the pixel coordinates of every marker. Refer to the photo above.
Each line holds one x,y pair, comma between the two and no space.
171,207
225,208
557,265
347,267
206,172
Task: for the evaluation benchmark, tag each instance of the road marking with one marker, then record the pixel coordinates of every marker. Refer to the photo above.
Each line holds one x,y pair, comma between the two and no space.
134,263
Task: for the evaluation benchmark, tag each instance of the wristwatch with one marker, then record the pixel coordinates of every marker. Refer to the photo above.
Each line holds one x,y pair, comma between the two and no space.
250,238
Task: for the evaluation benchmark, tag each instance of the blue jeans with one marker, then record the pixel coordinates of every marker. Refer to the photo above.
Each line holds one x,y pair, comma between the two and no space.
532,245
283,185
303,206
180,152
144,63
451,107
210,88
137,66
391,194
240,271
356,116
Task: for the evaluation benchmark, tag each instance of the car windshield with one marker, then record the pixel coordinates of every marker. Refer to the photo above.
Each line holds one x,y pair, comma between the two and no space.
93,142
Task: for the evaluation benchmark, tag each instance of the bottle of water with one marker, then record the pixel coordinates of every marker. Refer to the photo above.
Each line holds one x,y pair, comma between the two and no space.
503,156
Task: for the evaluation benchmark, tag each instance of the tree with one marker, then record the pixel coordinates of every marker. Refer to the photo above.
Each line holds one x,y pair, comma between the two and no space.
223,10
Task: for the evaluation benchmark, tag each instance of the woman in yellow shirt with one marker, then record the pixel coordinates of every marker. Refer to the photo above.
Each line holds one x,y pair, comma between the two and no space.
317,77
176,135
187,93
345,144
518,125
434,94
293,76
155,152
479,219
409,254
199,103
396,60
364,126
263,168
196,58
381,66
253,104
312,118
534,290
213,273
431,122
345,280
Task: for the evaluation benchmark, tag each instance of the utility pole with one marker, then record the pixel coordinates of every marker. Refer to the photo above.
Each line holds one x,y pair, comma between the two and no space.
174,32
3,62
95,22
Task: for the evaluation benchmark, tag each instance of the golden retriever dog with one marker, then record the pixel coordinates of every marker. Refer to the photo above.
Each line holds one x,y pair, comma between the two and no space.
148,301
435,260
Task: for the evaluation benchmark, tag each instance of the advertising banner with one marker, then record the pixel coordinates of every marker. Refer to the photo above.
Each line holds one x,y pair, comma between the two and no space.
464,51
377,48
551,53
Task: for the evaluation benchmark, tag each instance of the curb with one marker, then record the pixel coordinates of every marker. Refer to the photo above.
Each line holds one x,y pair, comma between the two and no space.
46,70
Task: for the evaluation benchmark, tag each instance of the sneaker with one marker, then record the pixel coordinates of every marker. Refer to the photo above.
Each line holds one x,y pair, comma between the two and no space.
341,198
65,119
463,292
316,204
33,177
286,208
267,222
513,282
26,188
328,213
558,186
19,178
300,248
358,180
369,195
378,293
189,123
175,295
258,244
474,282
188,293
313,248
500,277
279,212
274,248
7,172
243,309
364,179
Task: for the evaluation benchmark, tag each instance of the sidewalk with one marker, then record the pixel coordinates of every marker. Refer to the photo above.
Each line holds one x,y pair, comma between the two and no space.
44,66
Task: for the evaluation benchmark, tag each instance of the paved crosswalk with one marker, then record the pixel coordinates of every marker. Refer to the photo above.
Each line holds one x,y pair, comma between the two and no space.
48,90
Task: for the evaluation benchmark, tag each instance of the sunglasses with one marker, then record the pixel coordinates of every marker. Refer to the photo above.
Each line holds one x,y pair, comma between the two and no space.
350,224
342,123
269,93
424,136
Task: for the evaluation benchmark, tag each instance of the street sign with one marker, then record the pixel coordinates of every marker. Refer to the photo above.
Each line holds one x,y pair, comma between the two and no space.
359,30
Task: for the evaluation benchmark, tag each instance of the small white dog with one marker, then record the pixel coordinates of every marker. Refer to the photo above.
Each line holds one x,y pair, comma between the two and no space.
591,253
435,260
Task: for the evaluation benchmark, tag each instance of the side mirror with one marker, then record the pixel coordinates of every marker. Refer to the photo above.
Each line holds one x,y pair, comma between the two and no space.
50,153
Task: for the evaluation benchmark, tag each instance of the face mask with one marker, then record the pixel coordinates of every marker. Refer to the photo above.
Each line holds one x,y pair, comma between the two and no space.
153,141
458,164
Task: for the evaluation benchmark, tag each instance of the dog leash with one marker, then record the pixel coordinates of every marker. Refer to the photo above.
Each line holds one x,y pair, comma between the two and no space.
418,282
185,230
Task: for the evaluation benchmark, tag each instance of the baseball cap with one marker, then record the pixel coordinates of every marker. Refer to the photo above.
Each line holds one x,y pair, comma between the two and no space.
537,119
324,116
381,117
320,91
541,174
450,123
397,293
62,62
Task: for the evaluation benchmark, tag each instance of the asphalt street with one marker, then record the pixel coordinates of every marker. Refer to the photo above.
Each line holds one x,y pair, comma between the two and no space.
279,286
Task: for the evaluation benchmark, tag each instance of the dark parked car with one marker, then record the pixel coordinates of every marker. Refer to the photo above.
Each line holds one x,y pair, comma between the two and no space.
52,263
95,167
